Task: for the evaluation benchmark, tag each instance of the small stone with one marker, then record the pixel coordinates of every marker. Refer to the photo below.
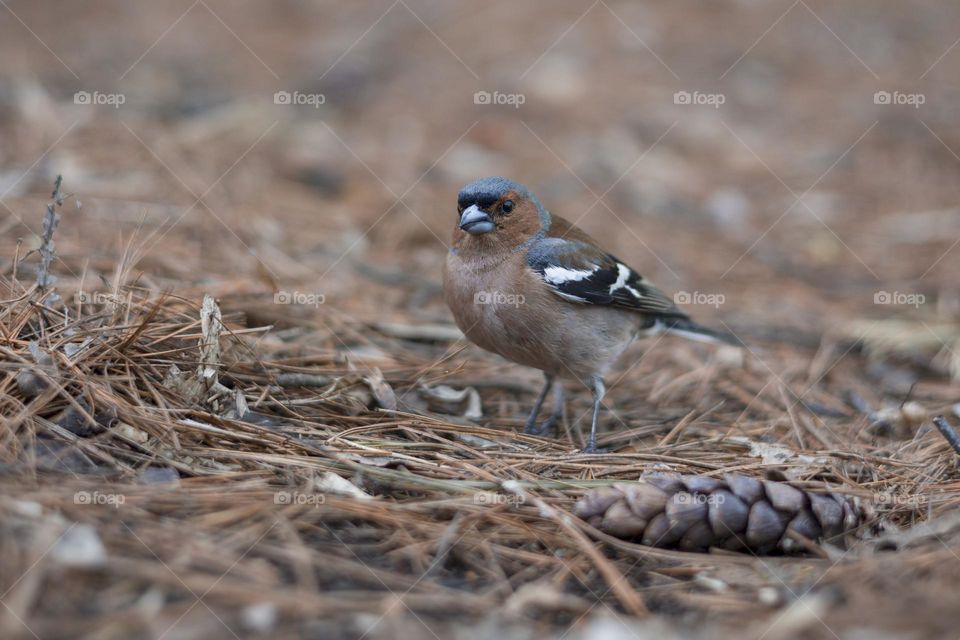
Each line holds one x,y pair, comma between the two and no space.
131,433
558,79
80,546
729,209
30,383
708,582
260,617
729,357
28,508
914,414
769,596
158,475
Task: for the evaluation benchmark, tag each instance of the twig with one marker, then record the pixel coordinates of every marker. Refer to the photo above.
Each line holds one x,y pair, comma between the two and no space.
628,597
303,380
210,323
50,221
948,432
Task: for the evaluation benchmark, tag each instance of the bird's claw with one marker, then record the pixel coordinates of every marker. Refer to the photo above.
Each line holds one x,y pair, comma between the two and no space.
593,448
550,424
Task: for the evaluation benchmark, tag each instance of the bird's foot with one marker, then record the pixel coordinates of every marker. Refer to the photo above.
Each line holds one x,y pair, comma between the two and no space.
593,448
548,425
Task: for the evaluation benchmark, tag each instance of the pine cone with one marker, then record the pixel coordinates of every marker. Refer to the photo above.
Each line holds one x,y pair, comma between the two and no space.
694,513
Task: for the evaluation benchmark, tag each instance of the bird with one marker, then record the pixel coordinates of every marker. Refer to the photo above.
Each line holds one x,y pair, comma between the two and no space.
530,286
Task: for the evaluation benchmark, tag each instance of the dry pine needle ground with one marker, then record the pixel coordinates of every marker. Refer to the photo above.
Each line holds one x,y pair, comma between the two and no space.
163,459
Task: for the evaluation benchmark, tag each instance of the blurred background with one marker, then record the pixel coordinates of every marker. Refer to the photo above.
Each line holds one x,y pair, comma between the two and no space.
794,160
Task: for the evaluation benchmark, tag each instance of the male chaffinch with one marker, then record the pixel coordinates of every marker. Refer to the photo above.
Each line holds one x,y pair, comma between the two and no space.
533,288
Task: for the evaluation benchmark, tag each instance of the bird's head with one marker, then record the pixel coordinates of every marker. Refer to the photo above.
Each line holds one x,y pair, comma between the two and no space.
497,212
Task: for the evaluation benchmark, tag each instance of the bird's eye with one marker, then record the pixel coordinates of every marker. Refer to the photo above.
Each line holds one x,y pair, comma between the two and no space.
507,206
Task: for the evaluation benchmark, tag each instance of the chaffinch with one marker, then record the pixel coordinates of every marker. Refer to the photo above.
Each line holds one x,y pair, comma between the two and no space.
533,288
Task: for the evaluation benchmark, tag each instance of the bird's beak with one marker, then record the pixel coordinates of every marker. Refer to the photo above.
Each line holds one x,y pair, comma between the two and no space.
476,221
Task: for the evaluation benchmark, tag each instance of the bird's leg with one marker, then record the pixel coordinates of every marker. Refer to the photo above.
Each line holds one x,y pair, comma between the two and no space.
553,422
598,391
531,427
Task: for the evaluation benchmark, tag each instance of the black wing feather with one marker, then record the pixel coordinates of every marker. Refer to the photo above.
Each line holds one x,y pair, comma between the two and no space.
580,272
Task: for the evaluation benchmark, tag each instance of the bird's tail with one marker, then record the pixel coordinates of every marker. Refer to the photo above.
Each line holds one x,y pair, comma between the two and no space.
693,331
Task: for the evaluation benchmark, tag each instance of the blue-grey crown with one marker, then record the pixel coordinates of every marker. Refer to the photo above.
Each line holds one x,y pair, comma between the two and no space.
492,187
486,191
